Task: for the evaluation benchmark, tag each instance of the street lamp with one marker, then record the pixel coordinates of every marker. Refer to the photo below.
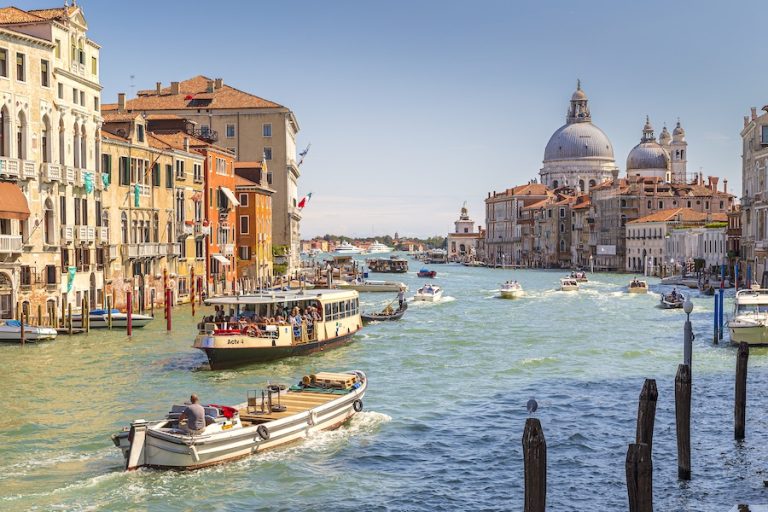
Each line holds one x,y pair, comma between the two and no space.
687,333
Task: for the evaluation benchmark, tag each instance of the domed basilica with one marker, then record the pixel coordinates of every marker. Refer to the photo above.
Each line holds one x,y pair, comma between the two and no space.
580,155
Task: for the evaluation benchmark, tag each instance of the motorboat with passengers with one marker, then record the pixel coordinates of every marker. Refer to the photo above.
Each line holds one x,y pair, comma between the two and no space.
637,286
267,326
511,290
568,284
428,293
672,300
271,417
579,276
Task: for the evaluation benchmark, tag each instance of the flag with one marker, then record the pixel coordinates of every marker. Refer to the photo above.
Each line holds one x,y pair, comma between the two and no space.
304,201
303,154
136,196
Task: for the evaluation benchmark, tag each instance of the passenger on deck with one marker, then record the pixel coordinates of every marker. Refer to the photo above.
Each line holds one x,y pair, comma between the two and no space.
195,416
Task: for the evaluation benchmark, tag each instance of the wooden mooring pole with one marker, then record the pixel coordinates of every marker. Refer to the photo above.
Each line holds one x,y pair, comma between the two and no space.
535,462
23,334
646,413
69,318
740,406
168,309
129,312
39,314
683,421
109,312
639,470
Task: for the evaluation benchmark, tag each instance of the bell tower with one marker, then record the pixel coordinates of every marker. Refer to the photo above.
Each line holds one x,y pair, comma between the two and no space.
678,153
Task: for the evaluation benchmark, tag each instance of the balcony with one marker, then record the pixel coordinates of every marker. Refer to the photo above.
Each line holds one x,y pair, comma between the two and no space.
113,252
85,234
50,172
10,244
67,234
174,249
69,175
206,134
28,170
227,249
9,167
185,229
181,176
102,235
144,190
200,230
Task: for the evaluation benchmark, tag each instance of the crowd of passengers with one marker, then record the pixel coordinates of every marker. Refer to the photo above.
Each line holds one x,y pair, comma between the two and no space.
248,322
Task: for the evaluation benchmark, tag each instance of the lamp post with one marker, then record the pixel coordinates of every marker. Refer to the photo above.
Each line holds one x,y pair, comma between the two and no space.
688,333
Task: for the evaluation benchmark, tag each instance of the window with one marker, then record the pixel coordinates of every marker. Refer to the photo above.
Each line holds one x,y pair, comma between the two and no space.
44,76
244,223
3,62
63,210
764,133
98,212
230,131
180,169
77,211
140,132
61,91
124,171
269,177
94,66
661,205
266,129
199,249
197,170
96,103
244,252
58,48
168,176
21,74
243,199
267,153
82,98
106,166
75,96
221,166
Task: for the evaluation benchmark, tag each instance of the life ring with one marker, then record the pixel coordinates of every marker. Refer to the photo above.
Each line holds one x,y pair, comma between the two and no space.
263,432
357,405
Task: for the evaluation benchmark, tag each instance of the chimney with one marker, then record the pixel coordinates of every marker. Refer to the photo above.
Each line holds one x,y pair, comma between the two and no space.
713,181
174,87
158,87
746,121
186,144
754,113
121,102
725,186
209,86
219,83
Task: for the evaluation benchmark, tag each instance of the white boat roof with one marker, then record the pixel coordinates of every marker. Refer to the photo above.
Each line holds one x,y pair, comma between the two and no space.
283,296
752,296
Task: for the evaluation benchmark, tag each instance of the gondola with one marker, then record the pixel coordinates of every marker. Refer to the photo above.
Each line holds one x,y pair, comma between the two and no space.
396,315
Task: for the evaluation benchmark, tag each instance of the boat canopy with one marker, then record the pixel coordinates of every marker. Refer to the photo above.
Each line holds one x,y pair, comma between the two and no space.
283,296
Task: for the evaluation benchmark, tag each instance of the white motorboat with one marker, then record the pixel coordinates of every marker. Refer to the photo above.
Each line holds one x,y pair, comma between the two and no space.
637,286
672,300
429,293
579,276
568,284
750,317
369,285
377,247
10,330
99,319
269,418
511,290
347,248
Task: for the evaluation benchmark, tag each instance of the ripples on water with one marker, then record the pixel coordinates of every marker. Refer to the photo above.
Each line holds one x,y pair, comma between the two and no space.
444,412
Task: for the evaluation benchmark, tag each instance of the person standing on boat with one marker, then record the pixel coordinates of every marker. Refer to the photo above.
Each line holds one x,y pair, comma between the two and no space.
401,297
195,416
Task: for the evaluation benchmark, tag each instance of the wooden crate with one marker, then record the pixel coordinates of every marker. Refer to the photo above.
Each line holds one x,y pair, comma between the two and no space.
336,380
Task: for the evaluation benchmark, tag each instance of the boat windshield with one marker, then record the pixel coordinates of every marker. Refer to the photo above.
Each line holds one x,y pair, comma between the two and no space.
751,309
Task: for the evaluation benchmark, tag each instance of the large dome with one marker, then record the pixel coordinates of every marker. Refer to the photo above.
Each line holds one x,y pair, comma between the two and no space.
578,140
647,155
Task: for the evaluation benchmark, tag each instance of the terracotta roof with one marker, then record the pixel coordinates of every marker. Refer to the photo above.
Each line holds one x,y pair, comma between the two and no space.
58,12
163,117
107,135
248,165
191,93
239,180
531,189
681,215
116,117
13,15
176,141
538,204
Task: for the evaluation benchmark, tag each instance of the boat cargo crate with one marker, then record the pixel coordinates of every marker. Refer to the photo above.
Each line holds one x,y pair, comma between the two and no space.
335,380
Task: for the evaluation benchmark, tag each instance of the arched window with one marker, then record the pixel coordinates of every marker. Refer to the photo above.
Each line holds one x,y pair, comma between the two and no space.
156,228
581,185
124,227
555,183
21,137
45,140
592,183
62,144
49,220
134,232
83,149
76,144
650,204
562,245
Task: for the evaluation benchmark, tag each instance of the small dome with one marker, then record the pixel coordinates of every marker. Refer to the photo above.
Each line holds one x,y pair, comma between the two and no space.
664,136
578,95
578,140
678,130
647,155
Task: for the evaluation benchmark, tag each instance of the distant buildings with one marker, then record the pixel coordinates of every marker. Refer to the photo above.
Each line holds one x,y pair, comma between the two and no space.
463,242
754,194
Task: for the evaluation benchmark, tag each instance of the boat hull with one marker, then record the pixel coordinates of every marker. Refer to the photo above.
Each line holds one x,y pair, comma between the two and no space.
638,289
569,288
222,358
31,334
118,320
750,334
511,294
428,297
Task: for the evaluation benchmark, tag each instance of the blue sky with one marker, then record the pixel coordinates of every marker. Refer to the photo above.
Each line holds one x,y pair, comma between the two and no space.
414,107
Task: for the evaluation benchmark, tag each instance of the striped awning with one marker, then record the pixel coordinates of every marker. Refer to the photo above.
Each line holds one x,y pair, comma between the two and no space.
14,204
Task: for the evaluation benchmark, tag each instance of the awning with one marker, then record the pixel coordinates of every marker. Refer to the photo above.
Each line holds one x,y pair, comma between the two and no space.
231,196
14,204
221,259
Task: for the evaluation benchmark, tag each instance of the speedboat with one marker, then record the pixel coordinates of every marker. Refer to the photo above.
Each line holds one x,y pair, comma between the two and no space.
579,276
368,285
269,418
673,300
568,284
638,286
750,317
511,290
347,248
10,330
99,319
425,272
377,247
429,293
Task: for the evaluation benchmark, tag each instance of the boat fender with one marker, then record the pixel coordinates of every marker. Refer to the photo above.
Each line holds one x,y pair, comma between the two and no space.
263,432
357,405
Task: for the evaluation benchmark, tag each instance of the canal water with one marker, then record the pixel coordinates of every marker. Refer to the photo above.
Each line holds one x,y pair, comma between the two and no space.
443,417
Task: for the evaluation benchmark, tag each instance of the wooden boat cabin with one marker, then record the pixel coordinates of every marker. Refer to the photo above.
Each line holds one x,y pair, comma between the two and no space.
393,265
262,327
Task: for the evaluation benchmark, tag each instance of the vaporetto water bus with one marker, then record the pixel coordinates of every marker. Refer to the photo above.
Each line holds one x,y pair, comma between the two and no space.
265,326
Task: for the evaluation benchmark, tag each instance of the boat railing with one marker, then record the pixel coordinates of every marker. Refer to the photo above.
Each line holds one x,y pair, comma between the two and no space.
255,330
